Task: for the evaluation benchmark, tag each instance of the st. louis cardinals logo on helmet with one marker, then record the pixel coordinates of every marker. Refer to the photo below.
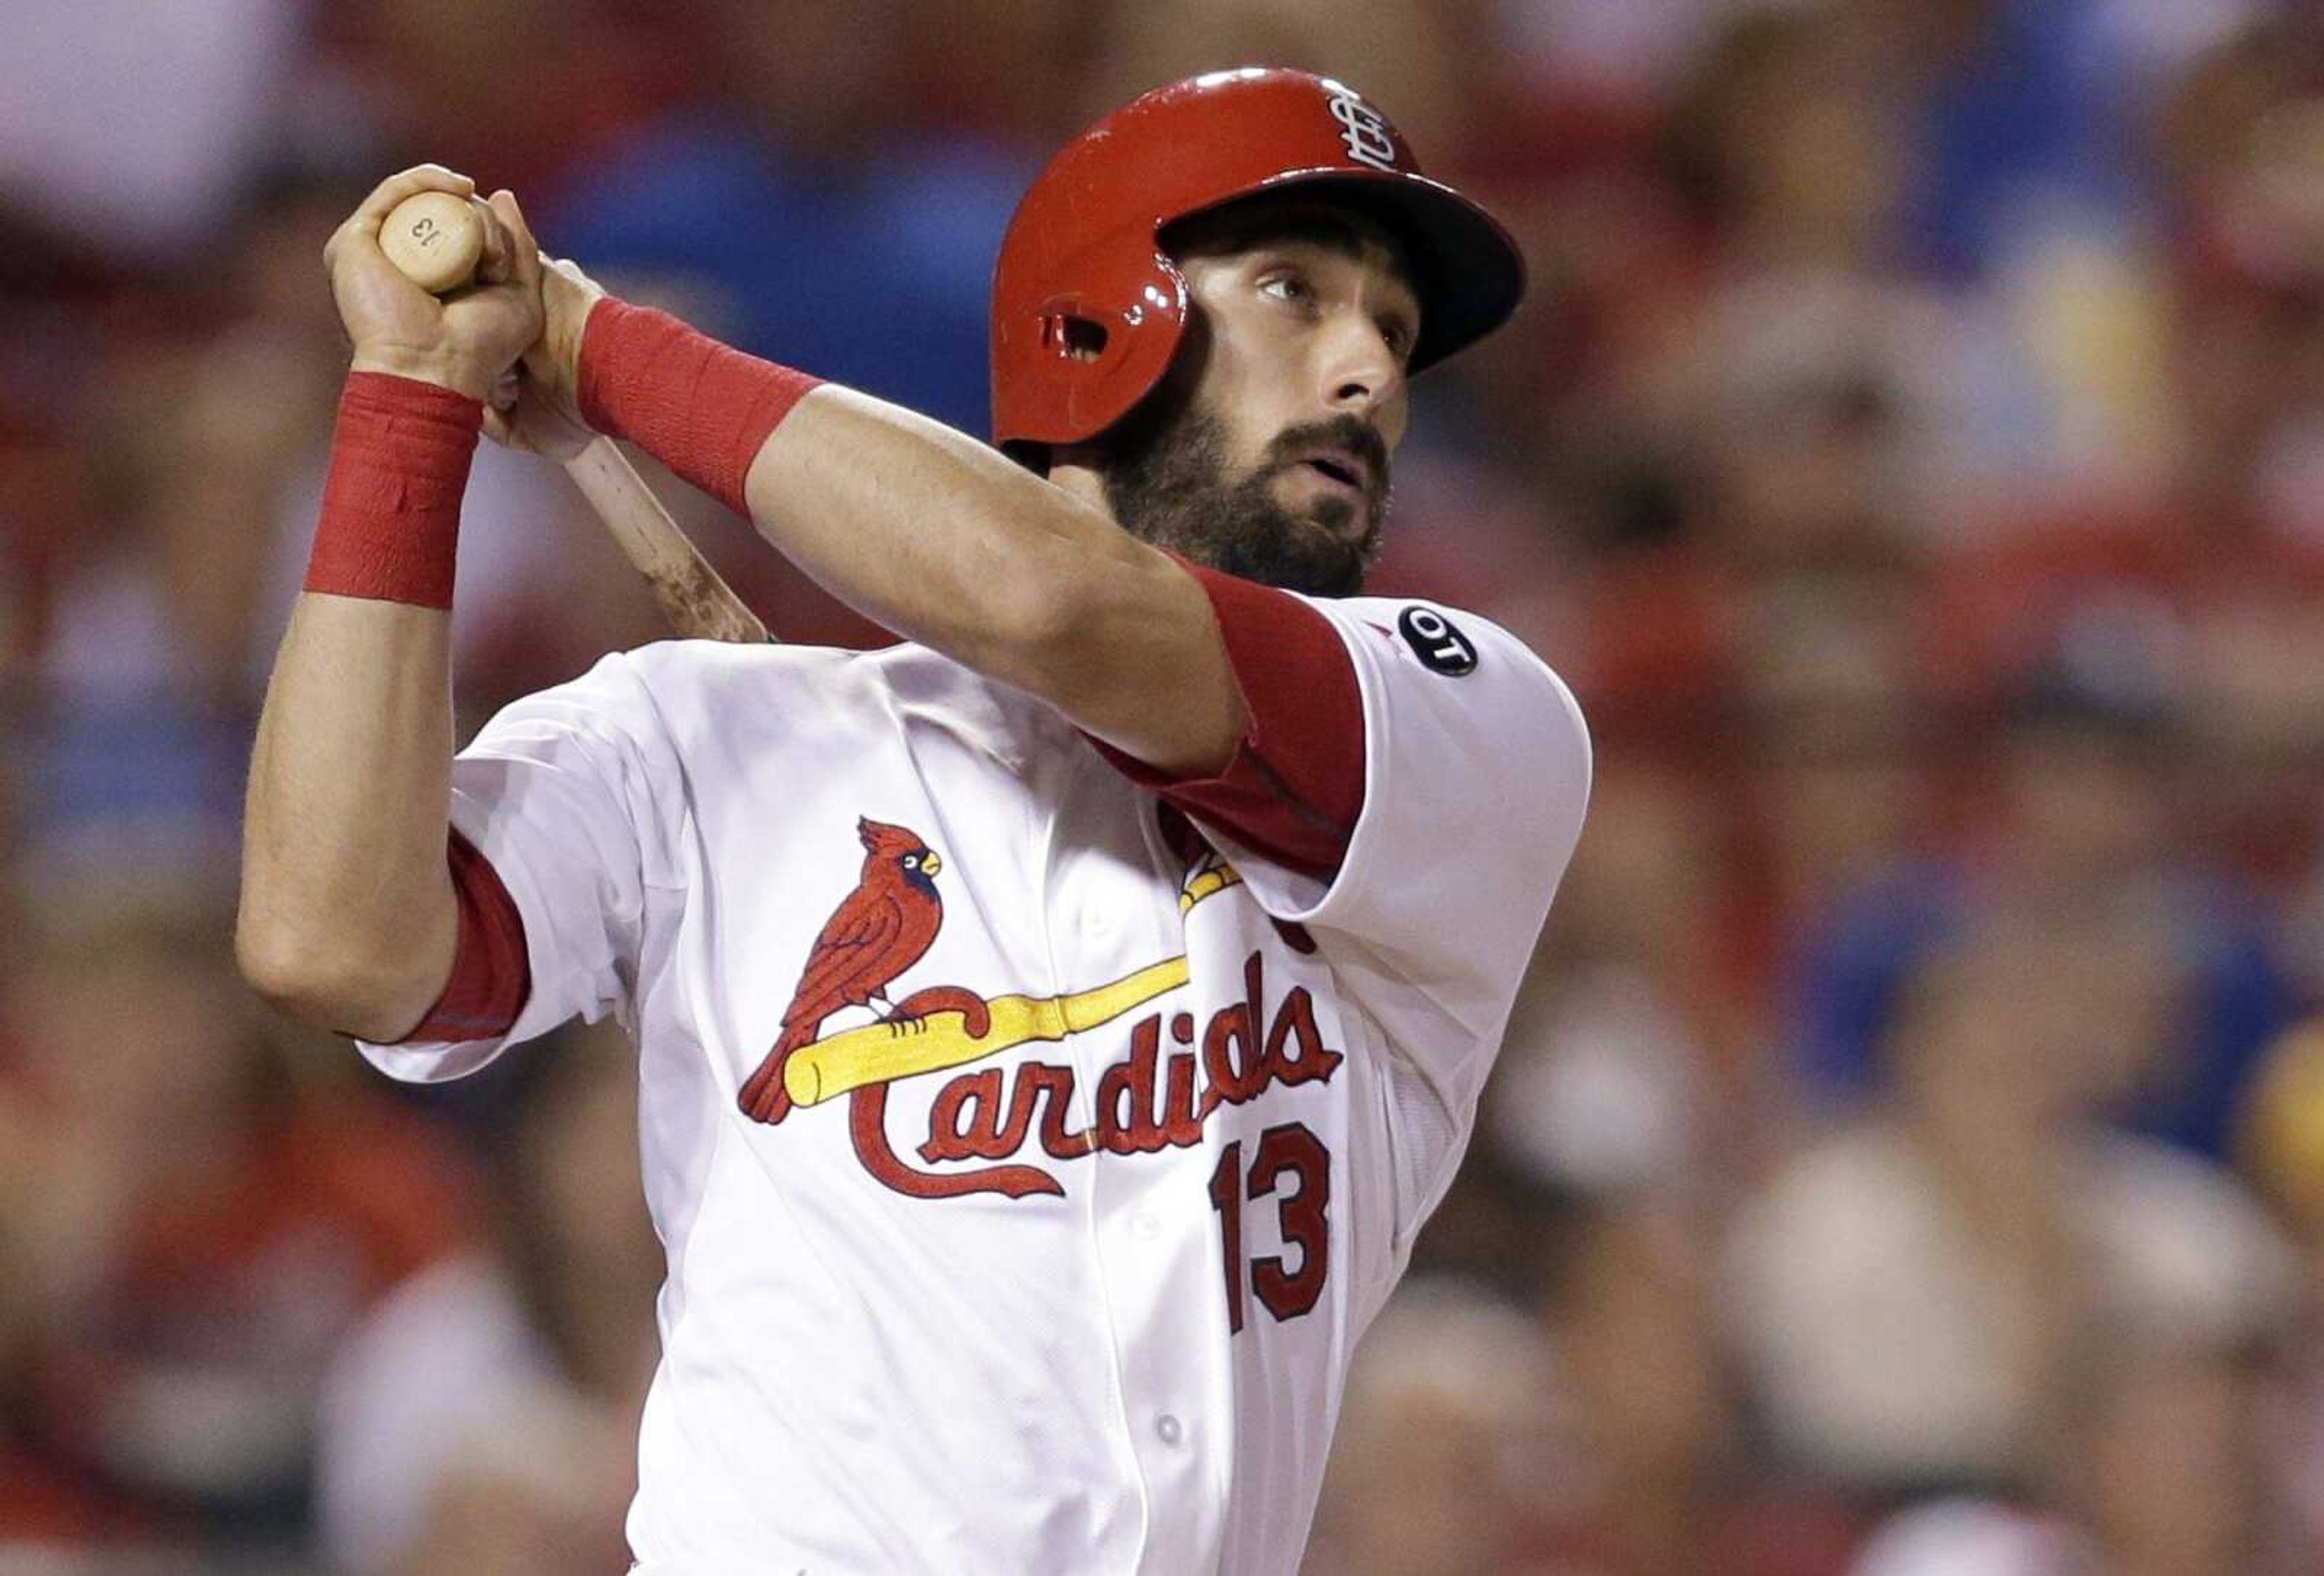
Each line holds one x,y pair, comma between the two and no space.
1365,130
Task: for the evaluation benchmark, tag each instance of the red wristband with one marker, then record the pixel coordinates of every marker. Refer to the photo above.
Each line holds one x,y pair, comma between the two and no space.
391,516
701,408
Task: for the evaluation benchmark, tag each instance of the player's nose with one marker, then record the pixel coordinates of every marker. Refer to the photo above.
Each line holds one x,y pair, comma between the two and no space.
1359,368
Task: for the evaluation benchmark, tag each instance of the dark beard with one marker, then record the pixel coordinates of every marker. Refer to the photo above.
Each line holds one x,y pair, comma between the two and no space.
1165,481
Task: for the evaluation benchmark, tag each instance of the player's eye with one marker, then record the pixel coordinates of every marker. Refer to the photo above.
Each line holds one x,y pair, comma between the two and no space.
1284,287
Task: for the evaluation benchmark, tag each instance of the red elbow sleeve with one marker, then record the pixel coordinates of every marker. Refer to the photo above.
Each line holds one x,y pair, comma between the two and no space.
491,973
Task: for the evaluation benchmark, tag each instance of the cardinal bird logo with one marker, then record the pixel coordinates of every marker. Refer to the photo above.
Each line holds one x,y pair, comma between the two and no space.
879,930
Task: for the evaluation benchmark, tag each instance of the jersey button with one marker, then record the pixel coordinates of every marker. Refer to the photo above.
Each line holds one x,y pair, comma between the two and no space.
1094,922
1146,1227
1168,1429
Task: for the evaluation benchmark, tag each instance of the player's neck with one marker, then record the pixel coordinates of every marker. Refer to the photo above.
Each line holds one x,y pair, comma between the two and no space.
1083,481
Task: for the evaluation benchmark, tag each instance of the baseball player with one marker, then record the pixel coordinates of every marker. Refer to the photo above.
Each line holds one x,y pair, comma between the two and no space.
1052,1030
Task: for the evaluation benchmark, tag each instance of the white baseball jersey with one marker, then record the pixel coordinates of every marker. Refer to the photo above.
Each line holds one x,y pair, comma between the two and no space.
1057,1256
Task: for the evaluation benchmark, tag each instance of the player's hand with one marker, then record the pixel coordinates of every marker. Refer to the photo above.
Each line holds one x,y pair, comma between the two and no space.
552,366
468,338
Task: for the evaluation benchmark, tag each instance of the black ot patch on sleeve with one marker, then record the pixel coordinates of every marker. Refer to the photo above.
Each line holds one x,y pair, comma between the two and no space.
1440,647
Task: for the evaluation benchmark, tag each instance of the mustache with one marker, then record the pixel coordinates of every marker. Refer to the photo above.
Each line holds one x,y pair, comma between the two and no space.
1352,433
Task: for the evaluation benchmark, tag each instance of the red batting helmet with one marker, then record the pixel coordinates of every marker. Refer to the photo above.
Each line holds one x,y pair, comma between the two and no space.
1087,307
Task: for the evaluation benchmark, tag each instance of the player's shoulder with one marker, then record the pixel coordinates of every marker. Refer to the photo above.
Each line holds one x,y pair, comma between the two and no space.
1421,637
676,668
673,665
660,688
825,693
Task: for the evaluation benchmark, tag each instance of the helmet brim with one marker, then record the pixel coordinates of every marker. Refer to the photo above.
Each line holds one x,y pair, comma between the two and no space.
1468,272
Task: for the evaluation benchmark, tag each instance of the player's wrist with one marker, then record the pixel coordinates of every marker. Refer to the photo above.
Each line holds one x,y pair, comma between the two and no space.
391,518
702,407
572,300
446,368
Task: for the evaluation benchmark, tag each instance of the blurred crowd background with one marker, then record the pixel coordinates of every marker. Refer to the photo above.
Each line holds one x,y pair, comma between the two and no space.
1908,1154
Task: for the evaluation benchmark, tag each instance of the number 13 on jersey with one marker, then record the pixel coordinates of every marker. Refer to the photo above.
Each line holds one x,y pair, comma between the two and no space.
1290,1165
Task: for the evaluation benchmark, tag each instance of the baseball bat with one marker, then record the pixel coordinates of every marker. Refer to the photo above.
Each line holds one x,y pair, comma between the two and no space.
435,239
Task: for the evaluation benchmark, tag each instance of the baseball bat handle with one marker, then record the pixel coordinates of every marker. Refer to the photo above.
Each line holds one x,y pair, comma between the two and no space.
695,601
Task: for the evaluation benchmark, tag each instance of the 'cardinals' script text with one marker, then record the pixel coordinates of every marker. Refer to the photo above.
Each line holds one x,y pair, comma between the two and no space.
1144,1102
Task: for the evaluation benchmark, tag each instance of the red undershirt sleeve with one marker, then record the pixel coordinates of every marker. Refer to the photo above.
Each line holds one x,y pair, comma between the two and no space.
1296,787
491,972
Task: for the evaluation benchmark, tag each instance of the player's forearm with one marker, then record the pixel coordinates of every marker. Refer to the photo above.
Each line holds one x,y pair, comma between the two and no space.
945,541
347,917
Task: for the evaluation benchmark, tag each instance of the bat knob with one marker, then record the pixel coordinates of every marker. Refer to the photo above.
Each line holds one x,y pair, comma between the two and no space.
435,239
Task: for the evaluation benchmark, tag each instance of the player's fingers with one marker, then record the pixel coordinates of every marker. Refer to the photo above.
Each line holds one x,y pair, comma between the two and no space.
525,267
500,247
372,212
